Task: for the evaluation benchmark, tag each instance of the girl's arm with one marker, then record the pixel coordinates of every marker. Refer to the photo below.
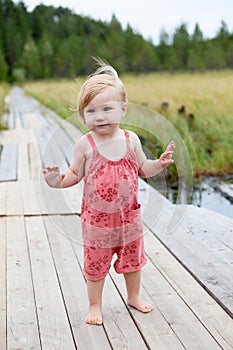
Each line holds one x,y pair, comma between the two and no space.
148,167
73,174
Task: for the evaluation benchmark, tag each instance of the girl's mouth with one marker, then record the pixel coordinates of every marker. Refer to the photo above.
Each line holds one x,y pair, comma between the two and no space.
102,125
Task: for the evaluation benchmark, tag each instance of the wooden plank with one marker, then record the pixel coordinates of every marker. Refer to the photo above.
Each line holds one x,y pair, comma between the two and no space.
14,203
119,326
55,125
203,264
64,132
156,209
187,327
53,200
23,137
11,121
59,144
54,324
19,100
23,119
34,103
51,154
65,143
22,328
155,328
23,163
43,137
3,198
210,224
40,115
202,250
71,130
29,102
3,279
38,197
32,120
73,284
151,199
178,324
18,121
66,200
31,197
34,161
73,197
8,162
215,239
207,310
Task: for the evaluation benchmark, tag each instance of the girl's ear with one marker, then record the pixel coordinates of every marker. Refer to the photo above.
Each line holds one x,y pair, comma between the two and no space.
124,108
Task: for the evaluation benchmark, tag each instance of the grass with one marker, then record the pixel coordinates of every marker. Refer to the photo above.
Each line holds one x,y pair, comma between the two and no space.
205,127
4,90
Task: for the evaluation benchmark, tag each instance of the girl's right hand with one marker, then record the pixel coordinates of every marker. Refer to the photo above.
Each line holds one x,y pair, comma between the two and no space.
52,176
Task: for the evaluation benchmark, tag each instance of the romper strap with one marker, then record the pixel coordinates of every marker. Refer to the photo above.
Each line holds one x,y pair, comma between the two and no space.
90,139
127,137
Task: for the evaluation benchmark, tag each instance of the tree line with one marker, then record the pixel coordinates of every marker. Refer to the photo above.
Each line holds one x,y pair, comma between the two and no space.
52,42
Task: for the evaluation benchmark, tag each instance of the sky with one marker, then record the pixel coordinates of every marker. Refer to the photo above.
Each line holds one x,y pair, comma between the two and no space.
148,17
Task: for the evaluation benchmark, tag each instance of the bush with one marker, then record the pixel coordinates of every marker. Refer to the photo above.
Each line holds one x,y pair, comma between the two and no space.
19,75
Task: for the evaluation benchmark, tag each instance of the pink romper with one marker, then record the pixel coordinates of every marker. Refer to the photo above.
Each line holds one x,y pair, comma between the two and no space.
111,215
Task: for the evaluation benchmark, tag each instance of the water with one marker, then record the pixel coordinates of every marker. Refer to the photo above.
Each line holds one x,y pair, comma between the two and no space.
206,195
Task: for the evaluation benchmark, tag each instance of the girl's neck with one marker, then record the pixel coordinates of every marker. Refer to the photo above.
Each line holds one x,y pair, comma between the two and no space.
116,134
112,147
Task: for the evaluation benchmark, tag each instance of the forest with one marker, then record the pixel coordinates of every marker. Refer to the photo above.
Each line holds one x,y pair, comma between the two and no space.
52,42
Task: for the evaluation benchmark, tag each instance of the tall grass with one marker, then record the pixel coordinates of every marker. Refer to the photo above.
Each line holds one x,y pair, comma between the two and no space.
205,122
4,90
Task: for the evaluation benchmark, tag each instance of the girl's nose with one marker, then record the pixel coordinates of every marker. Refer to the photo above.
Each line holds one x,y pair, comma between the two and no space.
99,116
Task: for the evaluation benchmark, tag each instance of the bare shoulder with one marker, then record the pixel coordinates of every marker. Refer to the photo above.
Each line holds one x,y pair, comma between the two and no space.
134,139
137,146
82,145
133,136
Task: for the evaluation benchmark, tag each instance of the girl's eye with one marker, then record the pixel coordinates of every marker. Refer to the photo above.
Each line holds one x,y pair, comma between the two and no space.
106,109
91,111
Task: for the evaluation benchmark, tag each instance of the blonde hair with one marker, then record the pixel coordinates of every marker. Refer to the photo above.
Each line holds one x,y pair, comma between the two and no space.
103,77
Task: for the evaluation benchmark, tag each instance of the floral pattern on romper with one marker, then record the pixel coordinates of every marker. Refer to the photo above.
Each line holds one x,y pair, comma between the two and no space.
111,214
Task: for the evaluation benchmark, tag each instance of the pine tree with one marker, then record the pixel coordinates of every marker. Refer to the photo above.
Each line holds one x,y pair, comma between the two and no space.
163,50
181,44
214,55
30,59
3,68
46,53
196,52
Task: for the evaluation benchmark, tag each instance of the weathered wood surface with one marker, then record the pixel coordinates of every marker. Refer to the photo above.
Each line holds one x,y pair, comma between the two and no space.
200,239
43,298
8,164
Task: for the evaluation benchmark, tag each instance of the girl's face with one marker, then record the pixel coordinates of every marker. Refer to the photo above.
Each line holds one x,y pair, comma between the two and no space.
105,111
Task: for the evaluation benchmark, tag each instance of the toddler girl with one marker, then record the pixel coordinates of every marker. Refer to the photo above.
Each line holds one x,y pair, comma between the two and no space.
109,160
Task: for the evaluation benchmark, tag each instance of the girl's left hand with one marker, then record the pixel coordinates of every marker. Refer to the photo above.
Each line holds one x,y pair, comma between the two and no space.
166,158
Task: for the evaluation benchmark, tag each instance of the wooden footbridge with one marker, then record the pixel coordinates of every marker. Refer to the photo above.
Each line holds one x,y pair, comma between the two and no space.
43,299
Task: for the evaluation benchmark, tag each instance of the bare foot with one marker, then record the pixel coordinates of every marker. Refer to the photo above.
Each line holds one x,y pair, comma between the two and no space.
140,305
94,316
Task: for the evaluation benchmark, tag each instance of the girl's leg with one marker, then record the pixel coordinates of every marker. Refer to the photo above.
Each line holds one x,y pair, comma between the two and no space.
95,290
133,281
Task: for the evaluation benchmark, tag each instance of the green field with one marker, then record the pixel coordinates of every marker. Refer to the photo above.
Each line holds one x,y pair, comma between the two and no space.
204,123
4,90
